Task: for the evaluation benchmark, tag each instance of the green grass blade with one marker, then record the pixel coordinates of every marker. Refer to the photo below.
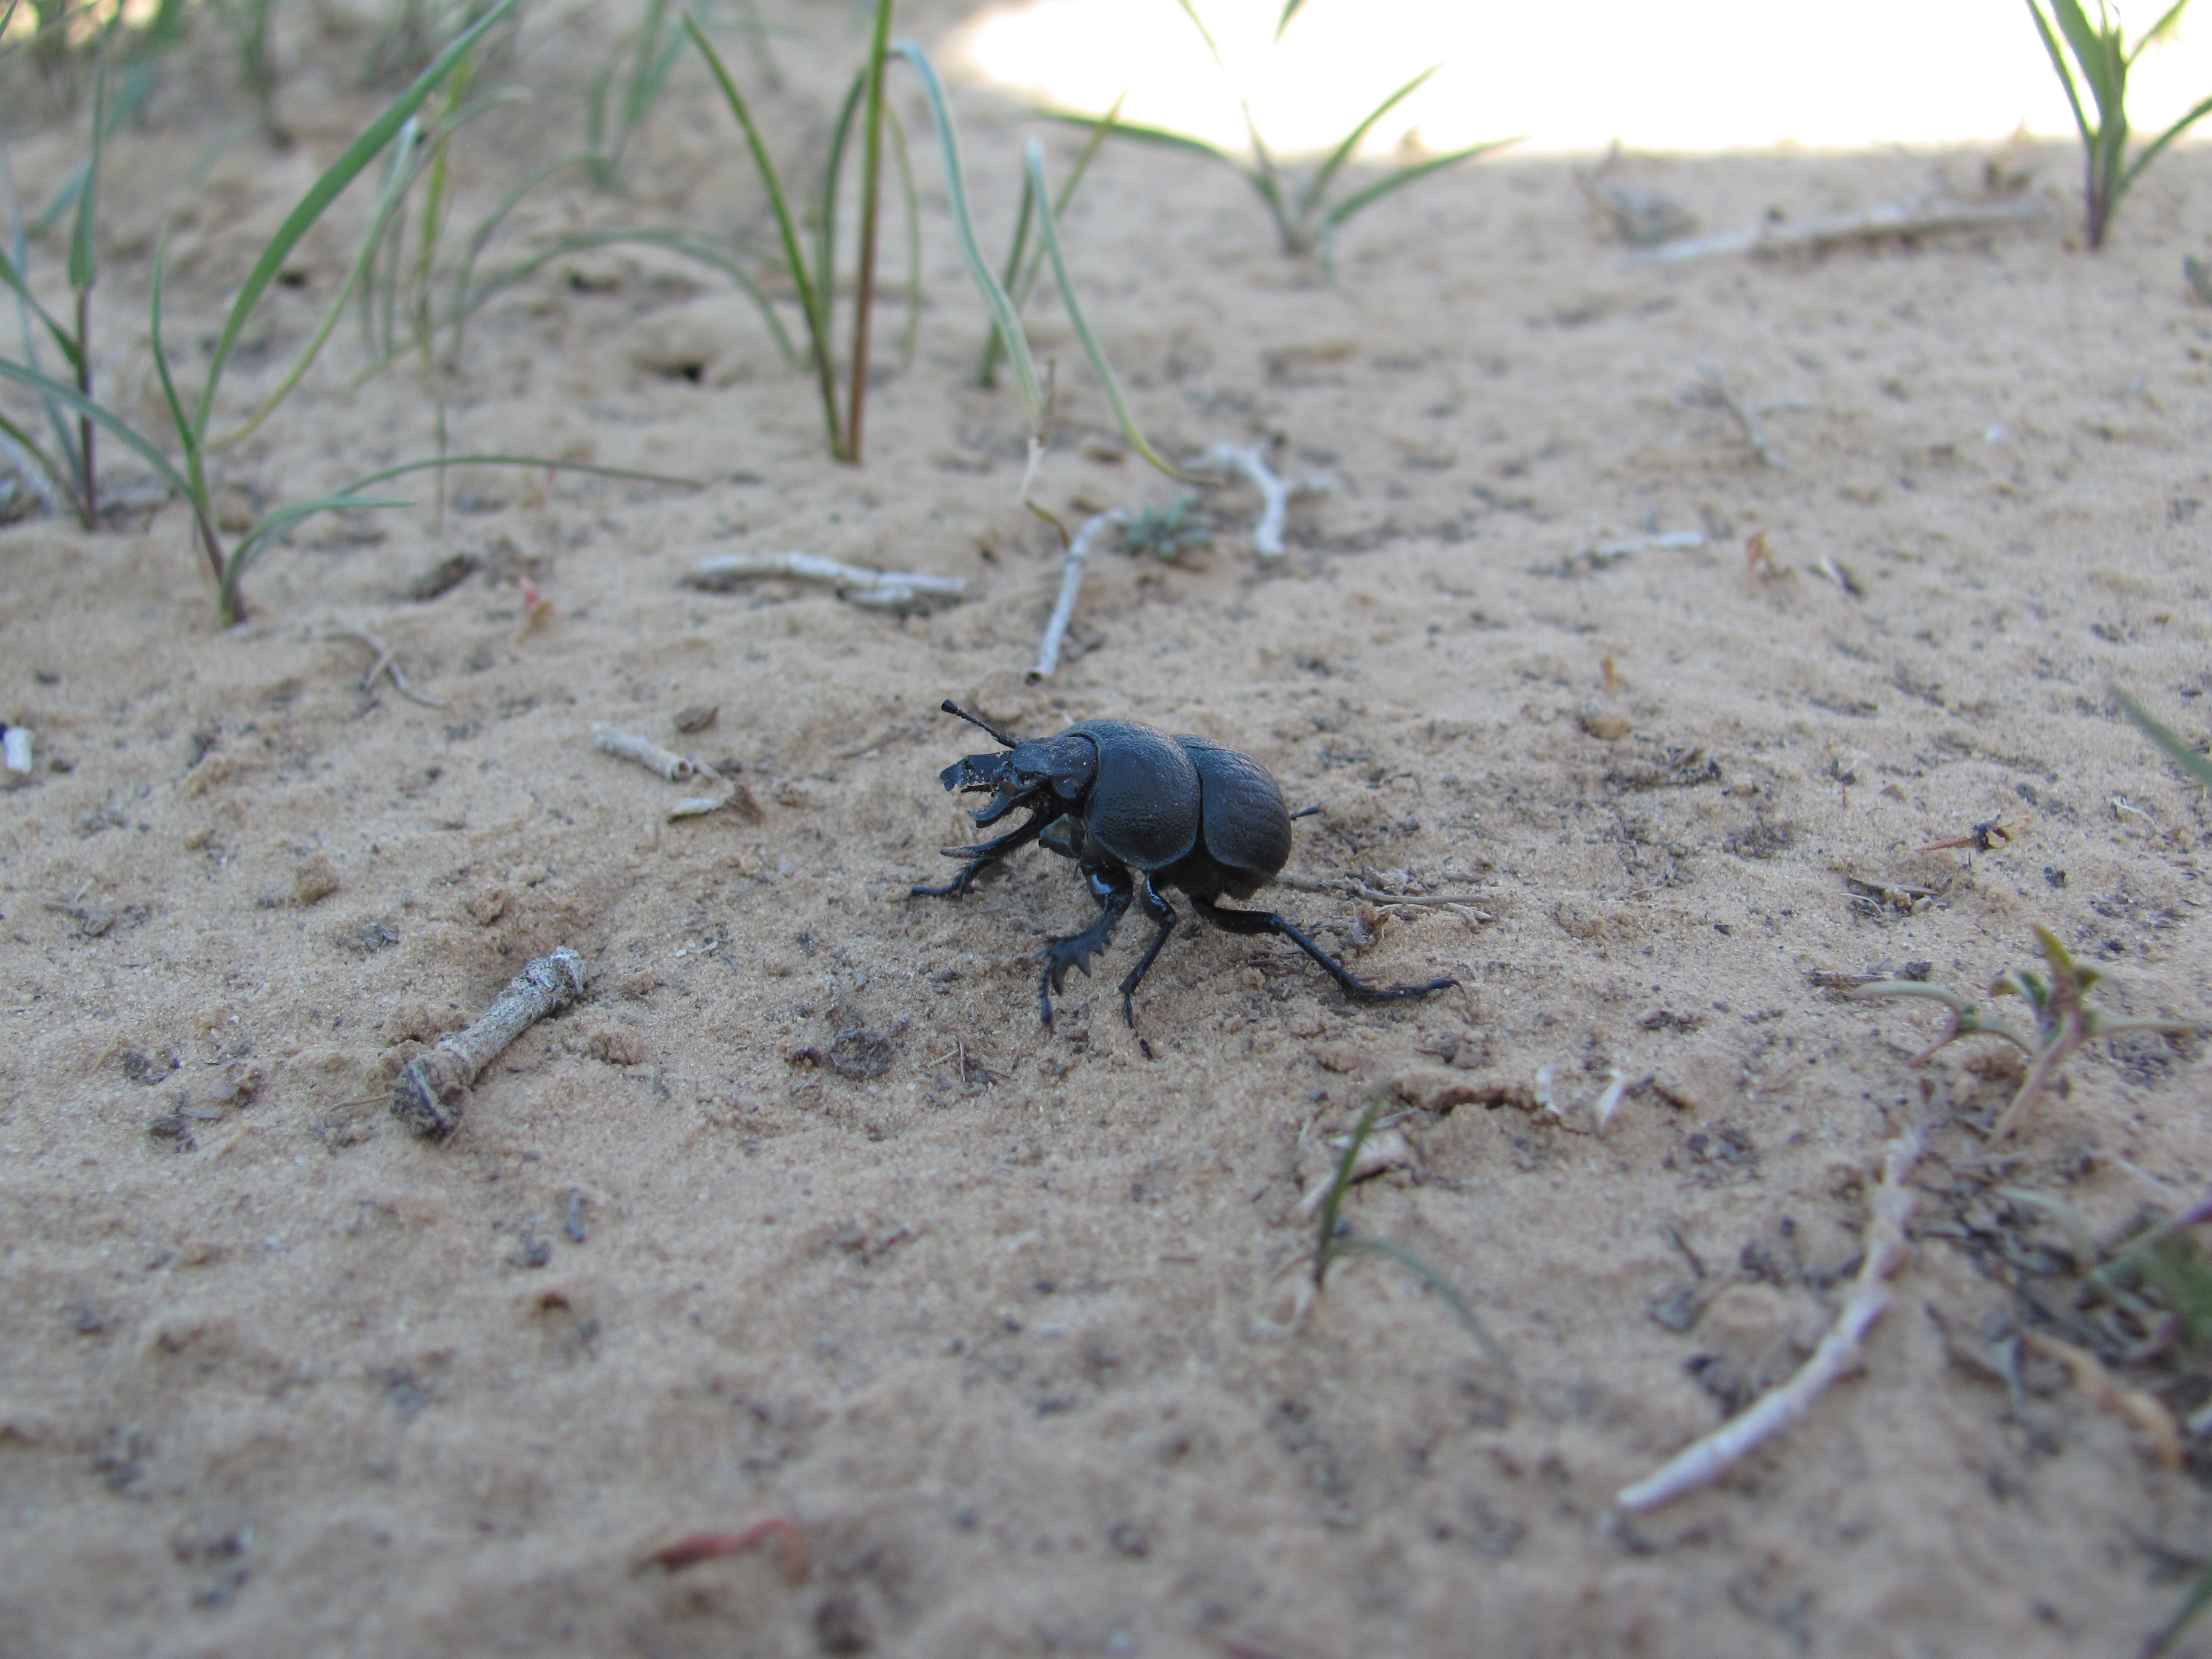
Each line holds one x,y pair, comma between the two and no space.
2158,29
271,526
910,201
1104,125
61,477
1309,197
2150,151
964,228
2179,749
1262,177
676,241
1434,1281
813,300
986,373
2066,76
2193,1604
1048,227
1291,8
70,398
64,340
392,197
436,462
1326,1243
340,174
488,226
1206,34
1021,276
83,263
1358,200
825,227
1404,176
1159,136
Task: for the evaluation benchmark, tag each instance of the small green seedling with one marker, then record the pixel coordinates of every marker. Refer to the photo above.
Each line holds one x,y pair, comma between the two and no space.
2065,1018
2103,61
817,287
78,477
1337,1239
188,476
1305,218
1167,532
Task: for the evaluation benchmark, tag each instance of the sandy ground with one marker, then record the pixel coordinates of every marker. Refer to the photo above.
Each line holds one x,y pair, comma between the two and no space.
1004,1326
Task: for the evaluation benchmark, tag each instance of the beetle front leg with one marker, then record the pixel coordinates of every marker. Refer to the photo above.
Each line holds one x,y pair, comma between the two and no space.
1164,915
981,856
1076,951
1263,921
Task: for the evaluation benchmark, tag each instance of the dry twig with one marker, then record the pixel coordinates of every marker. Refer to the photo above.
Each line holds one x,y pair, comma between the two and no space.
1275,493
2138,1407
1886,1246
386,663
427,1096
1071,584
881,589
692,1548
1777,236
1747,416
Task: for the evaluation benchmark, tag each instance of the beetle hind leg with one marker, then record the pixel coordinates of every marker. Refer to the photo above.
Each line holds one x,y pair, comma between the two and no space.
1077,950
1265,921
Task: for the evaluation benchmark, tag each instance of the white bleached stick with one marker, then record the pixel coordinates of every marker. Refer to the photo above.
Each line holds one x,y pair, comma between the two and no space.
1886,1246
647,753
1071,584
1919,218
427,1095
1274,493
855,584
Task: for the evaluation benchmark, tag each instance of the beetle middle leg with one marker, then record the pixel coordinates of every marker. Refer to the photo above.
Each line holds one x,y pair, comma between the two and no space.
1163,916
1112,892
1265,921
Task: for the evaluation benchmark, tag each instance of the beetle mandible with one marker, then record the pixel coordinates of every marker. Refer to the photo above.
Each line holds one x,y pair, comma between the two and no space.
1137,810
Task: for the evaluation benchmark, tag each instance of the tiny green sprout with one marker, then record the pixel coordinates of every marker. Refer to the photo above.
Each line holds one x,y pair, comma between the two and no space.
2104,61
1167,532
1306,217
1337,1238
2065,1018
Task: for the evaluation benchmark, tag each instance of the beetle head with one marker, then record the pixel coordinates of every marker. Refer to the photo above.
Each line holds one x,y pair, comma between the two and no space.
1033,772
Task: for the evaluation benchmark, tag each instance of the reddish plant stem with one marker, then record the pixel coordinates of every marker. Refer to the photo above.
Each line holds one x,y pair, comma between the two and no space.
871,163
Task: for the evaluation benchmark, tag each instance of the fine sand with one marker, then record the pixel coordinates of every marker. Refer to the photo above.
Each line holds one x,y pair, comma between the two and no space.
801,1214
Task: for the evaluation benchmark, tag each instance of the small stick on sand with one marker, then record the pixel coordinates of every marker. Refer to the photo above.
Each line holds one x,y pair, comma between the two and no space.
694,1547
1886,1246
855,584
1773,237
646,752
426,1097
386,663
1274,493
1071,584
1754,429
2138,1407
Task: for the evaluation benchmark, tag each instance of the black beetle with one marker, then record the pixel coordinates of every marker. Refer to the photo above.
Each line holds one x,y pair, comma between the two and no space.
1137,810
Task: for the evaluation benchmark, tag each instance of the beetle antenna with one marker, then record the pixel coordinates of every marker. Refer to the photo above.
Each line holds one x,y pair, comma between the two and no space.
952,708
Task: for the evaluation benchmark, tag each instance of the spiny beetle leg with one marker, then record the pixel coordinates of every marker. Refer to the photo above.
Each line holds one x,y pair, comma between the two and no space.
1076,951
1257,921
